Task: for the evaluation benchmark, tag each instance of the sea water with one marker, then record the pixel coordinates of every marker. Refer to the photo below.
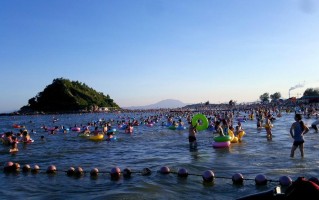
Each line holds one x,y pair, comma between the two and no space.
149,147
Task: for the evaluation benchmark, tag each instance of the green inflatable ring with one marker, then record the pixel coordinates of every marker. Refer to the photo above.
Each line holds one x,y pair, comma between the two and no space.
204,122
222,138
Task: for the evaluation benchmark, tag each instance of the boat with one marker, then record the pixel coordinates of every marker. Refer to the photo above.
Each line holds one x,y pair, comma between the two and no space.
299,189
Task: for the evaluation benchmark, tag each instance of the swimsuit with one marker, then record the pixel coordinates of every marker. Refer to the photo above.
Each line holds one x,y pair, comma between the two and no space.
191,138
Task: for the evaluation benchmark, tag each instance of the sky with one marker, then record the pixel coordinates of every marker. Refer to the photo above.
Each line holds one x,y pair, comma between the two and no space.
143,51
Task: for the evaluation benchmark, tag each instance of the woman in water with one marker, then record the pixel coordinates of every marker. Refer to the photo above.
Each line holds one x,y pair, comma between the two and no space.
297,131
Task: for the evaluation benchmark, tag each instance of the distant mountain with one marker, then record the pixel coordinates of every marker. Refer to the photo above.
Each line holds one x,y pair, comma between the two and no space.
168,103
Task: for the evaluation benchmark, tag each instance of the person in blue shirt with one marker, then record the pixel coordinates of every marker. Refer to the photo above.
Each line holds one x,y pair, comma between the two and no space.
297,131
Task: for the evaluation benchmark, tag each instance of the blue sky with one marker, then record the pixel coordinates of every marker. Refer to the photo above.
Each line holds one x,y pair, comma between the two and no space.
143,51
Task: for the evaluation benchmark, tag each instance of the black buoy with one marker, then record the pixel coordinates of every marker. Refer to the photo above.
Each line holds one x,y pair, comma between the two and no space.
127,173
208,176
78,172
51,169
165,170
8,167
182,172
115,173
71,171
94,172
146,172
26,168
261,179
35,169
238,178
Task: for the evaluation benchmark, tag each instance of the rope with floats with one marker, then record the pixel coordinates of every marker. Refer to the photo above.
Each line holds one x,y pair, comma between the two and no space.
115,173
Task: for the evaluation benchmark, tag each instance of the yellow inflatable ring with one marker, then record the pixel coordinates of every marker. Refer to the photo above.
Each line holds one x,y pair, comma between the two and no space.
241,134
268,126
234,140
204,122
96,137
231,134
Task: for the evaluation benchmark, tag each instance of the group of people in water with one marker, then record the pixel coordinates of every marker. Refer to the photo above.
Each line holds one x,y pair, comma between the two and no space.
220,121
223,123
10,139
221,126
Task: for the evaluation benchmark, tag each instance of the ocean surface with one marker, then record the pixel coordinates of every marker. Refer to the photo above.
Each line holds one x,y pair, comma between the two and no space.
153,148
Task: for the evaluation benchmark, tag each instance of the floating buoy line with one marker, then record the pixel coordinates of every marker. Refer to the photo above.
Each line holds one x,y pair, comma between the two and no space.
116,173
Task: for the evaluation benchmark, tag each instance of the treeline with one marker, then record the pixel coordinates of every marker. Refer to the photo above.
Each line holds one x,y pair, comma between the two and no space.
310,92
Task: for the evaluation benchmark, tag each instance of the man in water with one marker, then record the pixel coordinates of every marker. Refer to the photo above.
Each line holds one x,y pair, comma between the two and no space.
192,136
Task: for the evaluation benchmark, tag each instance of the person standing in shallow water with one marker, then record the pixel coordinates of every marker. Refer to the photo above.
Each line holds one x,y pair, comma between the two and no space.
268,127
192,136
297,131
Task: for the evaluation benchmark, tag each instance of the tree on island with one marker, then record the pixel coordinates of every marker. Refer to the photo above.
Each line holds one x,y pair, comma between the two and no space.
276,96
311,92
232,103
264,97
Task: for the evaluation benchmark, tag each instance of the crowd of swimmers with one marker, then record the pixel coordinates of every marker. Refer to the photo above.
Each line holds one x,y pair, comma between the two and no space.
11,139
223,121
220,121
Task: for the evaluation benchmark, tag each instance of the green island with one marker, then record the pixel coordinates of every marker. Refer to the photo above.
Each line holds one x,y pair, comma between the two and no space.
65,96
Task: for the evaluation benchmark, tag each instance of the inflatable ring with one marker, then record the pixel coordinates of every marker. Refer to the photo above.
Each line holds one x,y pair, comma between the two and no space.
111,139
83,135
96,137
234,140
112,130
231,134
204,122
181,128
225,138
76,129
221,144
268,126
28,142
241,134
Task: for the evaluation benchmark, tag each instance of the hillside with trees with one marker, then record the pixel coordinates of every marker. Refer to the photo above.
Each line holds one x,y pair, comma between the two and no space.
64,95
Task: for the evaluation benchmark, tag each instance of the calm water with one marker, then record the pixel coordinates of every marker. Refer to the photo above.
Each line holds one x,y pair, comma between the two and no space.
151,147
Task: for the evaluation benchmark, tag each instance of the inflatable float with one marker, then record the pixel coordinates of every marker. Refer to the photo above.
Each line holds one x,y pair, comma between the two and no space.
201,121
98,137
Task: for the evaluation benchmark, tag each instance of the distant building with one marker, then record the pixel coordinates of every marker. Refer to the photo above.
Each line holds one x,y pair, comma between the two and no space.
103,109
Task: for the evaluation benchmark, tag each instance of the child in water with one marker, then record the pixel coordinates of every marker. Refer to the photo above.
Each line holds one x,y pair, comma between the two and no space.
14,147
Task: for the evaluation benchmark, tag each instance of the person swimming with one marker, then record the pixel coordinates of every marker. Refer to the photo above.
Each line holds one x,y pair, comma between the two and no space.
14,147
